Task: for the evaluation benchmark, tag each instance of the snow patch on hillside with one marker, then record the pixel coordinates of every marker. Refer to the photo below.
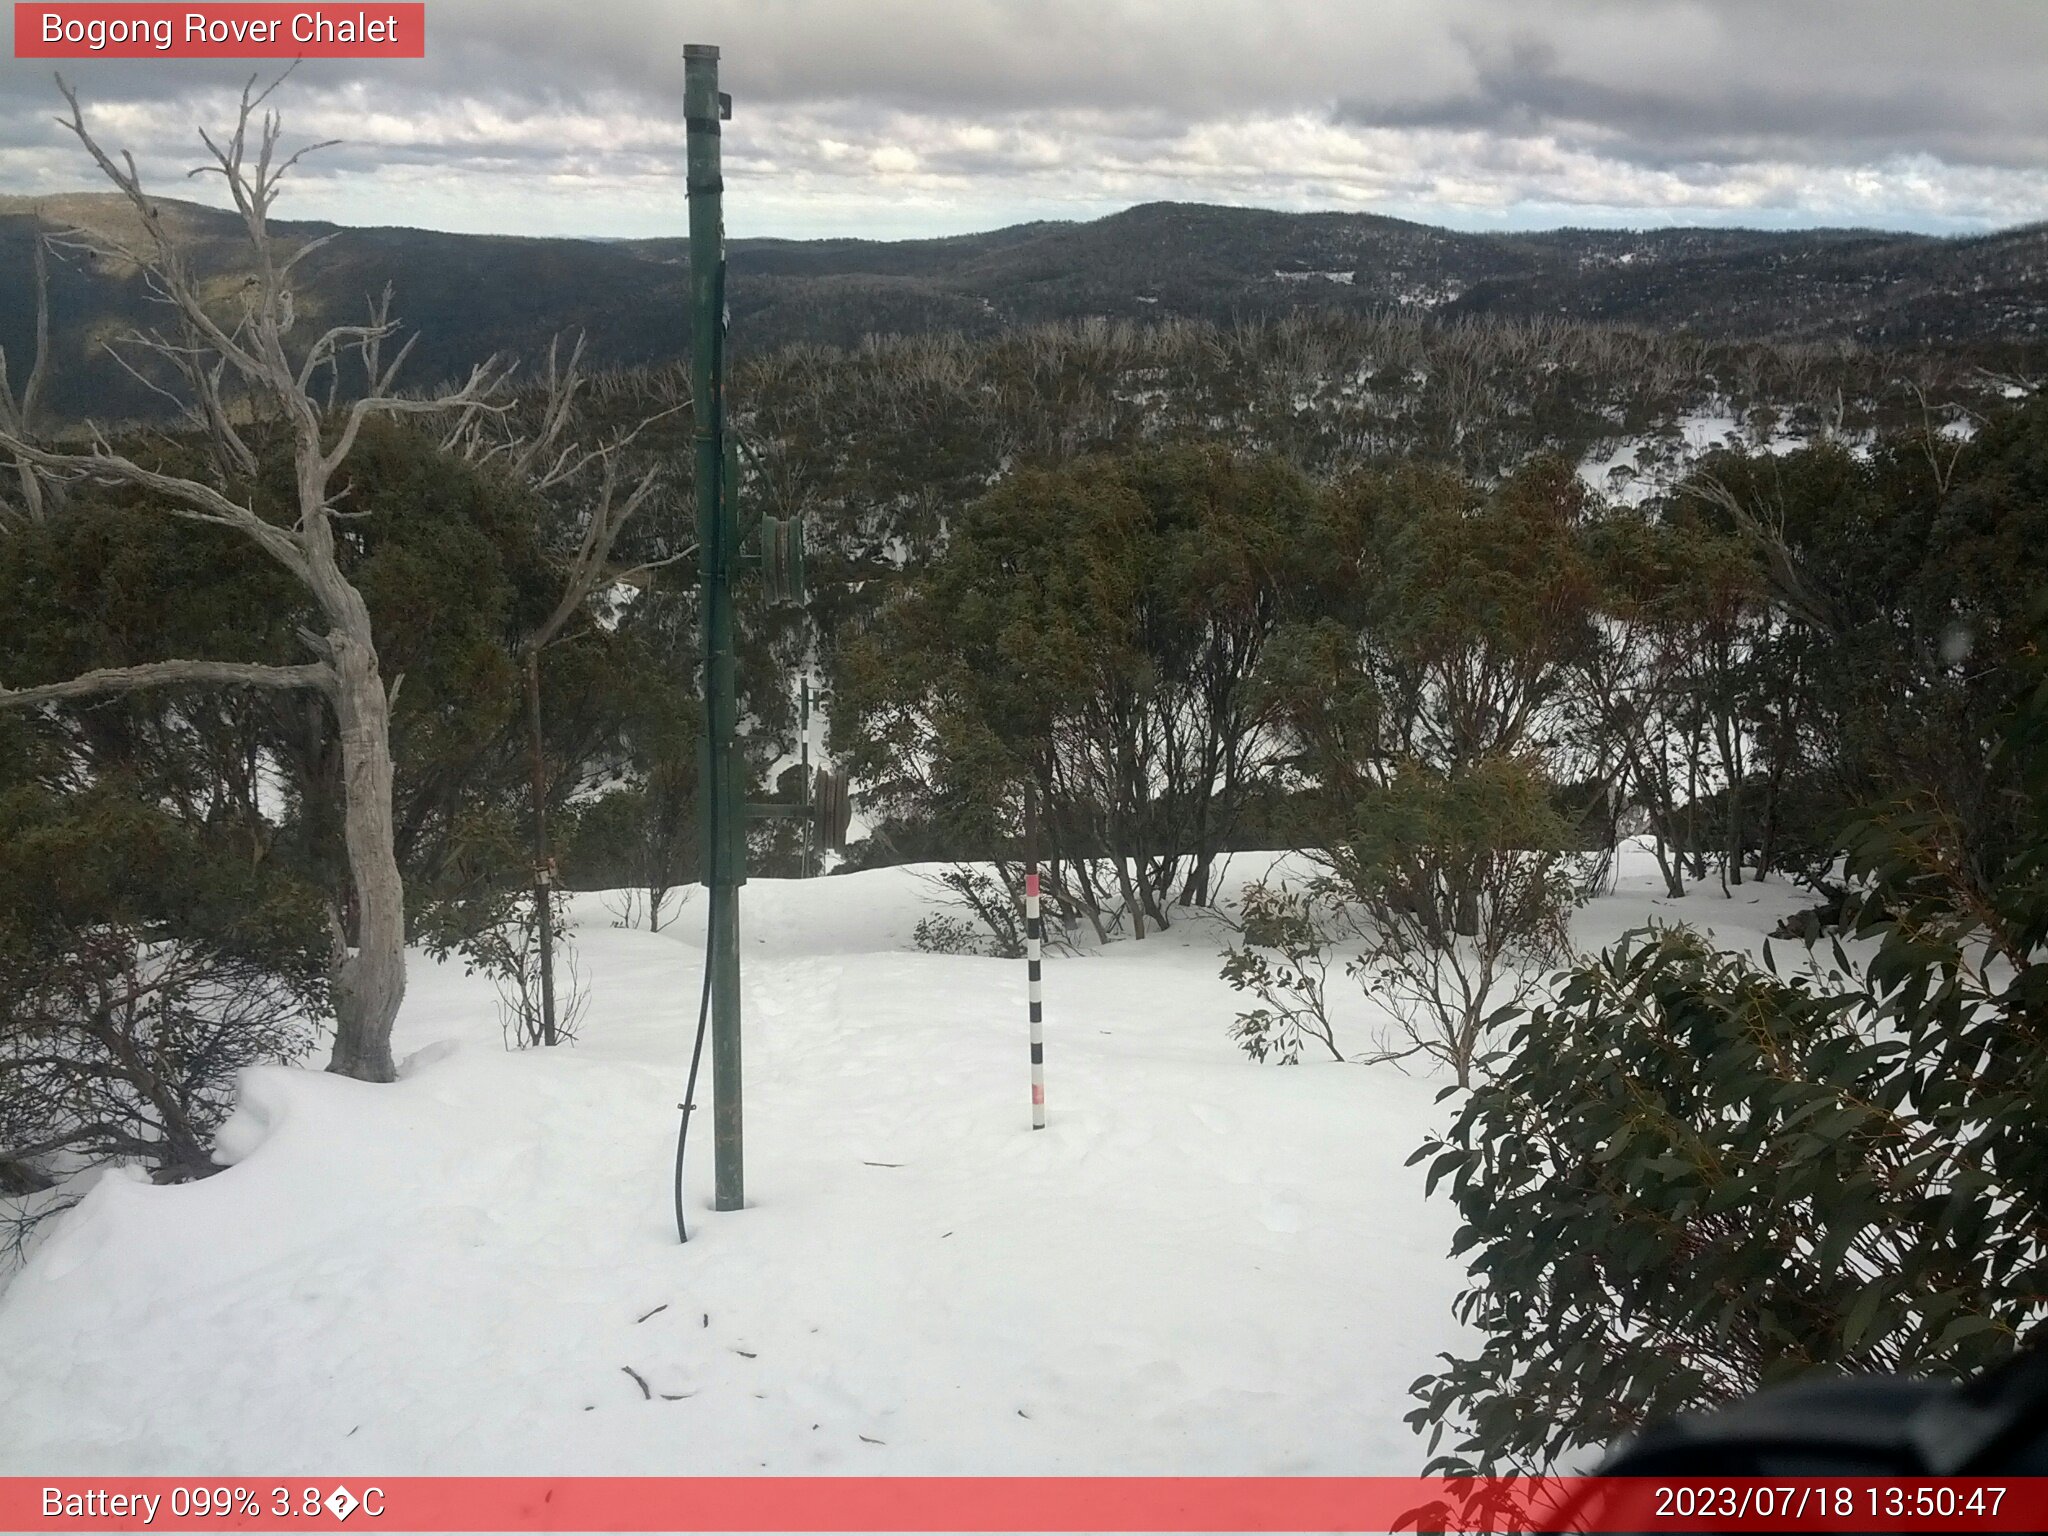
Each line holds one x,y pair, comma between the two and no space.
1632,470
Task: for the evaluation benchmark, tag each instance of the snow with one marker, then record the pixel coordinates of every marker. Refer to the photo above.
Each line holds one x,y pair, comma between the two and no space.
1430,295
613,602
1631,470
1202,1265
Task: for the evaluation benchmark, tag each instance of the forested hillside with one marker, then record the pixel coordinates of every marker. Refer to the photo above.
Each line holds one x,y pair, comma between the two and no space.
1982,299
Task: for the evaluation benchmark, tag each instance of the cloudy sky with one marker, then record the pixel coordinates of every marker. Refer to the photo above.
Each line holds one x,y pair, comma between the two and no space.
887,118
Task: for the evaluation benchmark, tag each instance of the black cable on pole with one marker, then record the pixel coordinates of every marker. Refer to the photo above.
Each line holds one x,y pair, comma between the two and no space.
696,1055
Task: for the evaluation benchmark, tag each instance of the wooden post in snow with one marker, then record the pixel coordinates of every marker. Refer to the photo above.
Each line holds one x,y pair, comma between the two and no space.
1034,936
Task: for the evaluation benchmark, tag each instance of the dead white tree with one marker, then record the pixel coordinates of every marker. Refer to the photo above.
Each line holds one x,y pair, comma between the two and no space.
251,350
18,411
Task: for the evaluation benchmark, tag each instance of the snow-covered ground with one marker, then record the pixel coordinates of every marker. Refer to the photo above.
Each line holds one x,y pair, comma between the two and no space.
1202,1265
1629,471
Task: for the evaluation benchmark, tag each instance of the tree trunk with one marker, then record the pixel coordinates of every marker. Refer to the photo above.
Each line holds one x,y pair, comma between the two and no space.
543,865
1468,915
252,356
1130,895
1465,920
1732,873
1195,891
1152,889
1731,764
1069,875
1672,869
1784,739
370,981
1767,831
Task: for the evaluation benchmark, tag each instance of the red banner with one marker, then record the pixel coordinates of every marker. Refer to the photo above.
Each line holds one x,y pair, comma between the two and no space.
374,30
1023,1504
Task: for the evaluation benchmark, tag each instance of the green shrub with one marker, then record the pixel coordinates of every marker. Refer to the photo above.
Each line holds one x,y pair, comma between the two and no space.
1689,1176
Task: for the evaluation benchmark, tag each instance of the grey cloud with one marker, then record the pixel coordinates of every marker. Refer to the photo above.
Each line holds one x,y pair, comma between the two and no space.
1808,83
1675,108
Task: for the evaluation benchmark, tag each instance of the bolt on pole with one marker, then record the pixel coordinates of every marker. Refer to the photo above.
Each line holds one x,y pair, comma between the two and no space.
719,785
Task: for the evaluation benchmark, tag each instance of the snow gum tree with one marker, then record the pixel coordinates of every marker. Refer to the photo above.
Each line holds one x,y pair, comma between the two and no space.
1898,587
1692,1176
243,371
1424,700
1640,696
1096,629
20,407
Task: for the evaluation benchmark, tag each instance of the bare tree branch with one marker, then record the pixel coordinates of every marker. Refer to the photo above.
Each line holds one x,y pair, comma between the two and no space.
326,350
485,381
563,385
171,674
201,503
162,349
31,392
253,352
1781,568
167,262
593,552
17,415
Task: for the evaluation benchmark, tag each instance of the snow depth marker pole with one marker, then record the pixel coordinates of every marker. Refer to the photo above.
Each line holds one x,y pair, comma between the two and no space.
1034,936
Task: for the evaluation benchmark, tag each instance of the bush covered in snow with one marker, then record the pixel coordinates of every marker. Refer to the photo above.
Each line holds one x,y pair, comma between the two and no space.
122,1047
142,966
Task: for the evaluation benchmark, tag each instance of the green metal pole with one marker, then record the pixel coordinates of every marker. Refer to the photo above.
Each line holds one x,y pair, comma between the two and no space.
804,775
724,844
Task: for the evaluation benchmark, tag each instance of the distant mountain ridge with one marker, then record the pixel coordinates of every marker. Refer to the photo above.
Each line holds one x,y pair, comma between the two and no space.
470,295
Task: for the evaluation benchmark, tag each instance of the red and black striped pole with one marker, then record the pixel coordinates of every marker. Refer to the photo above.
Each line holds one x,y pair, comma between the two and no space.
1034,937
